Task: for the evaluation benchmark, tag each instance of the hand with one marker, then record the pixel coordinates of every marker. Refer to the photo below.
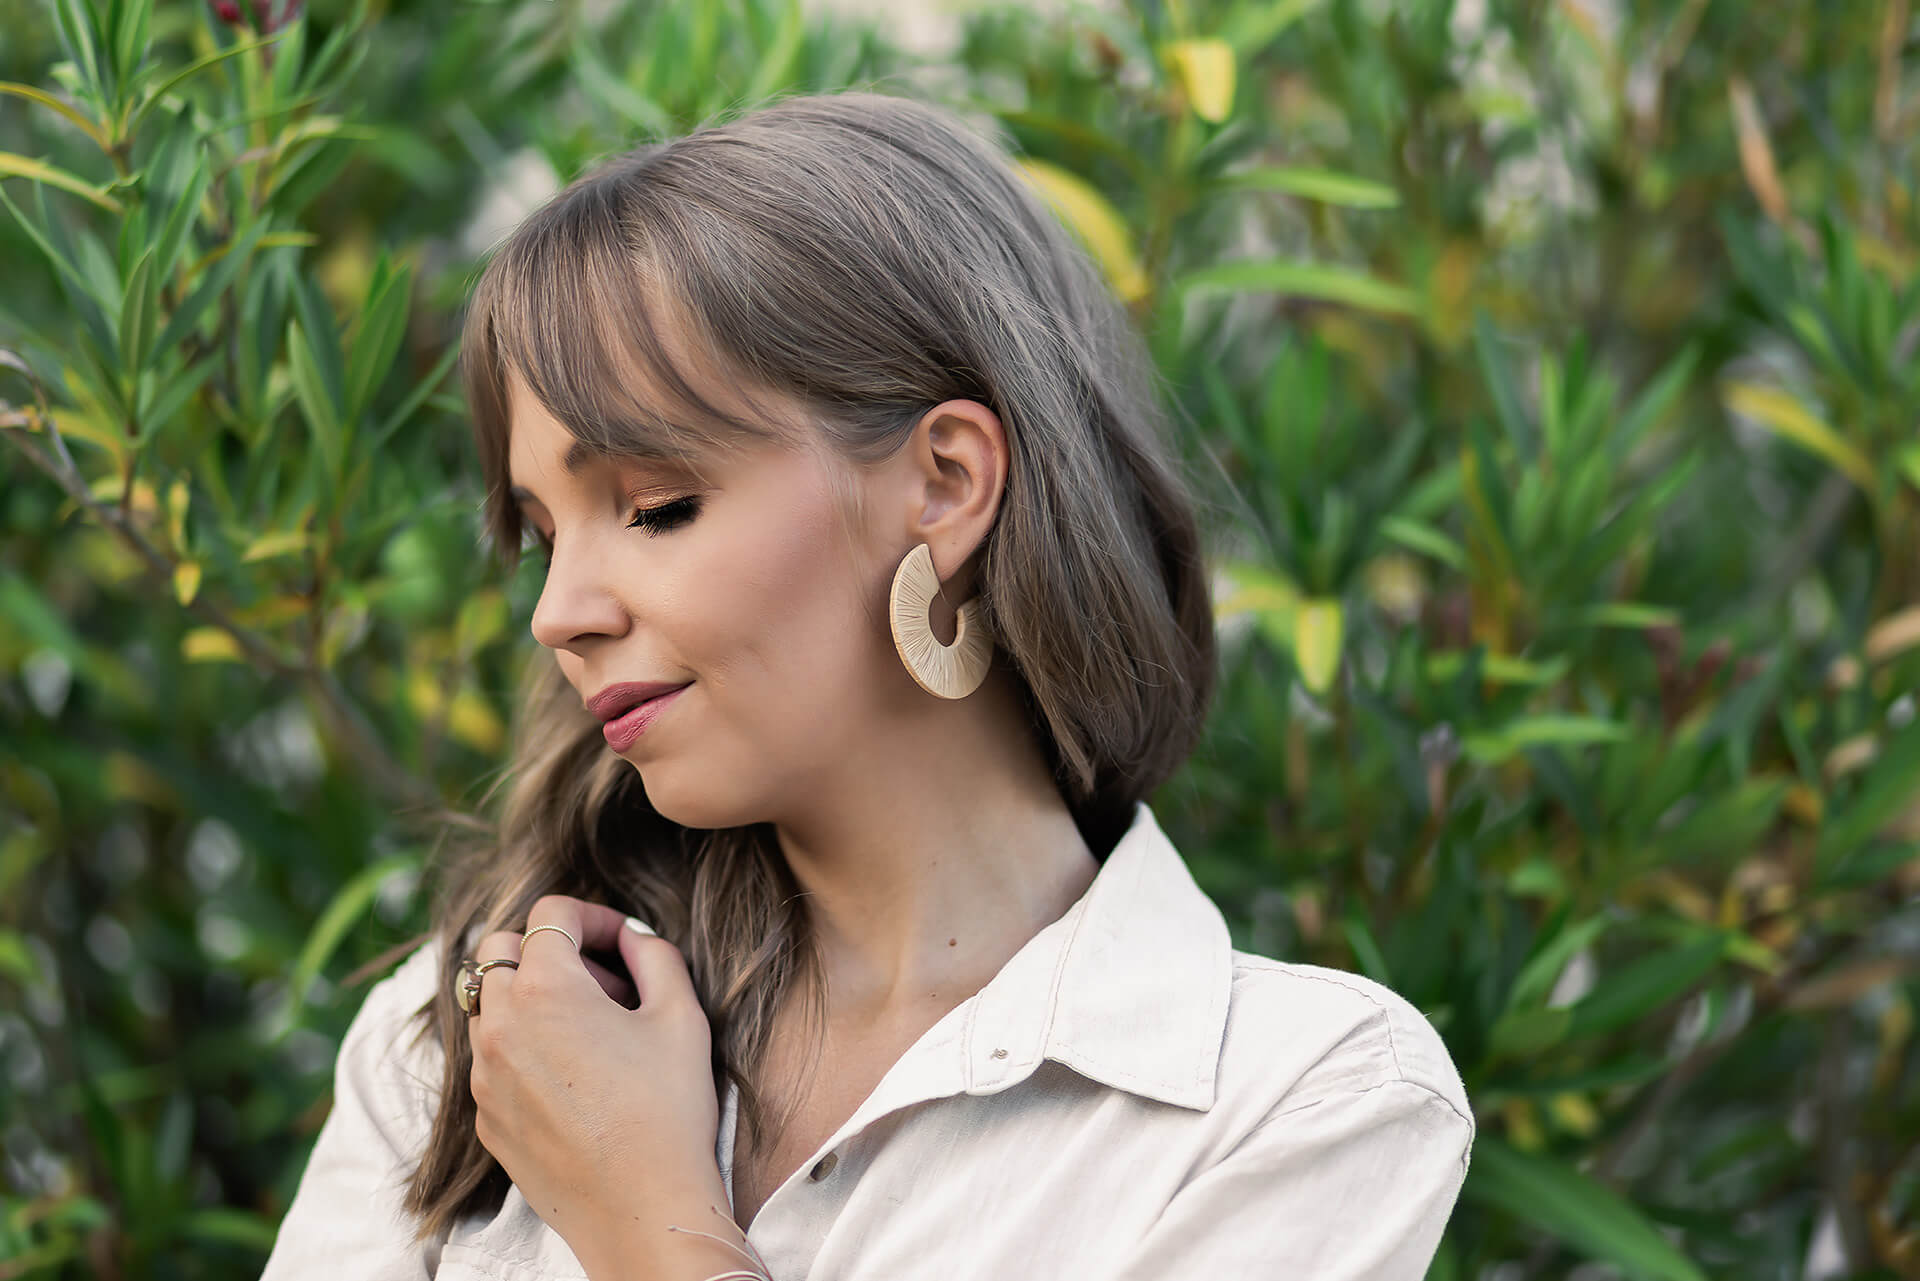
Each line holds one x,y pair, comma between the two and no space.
597,1110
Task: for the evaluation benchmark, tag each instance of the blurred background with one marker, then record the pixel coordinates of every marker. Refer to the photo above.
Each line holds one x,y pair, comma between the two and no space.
1551,373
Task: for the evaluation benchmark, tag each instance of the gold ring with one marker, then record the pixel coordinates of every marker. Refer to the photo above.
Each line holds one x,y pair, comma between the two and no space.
536,929
467,993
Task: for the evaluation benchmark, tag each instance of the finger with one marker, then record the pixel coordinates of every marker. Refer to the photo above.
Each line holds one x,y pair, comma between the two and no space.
659,970
499,945
617,986
595,926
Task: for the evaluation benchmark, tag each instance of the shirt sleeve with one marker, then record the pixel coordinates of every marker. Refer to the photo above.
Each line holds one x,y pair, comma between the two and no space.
1357,1186
345,1219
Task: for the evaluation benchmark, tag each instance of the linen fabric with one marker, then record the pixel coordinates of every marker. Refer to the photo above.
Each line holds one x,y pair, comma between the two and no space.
1129,1099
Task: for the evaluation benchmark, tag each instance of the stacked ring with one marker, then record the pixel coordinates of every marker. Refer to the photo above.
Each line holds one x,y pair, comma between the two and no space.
467,993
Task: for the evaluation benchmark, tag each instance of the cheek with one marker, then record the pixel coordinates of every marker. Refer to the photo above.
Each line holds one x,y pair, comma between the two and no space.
789,629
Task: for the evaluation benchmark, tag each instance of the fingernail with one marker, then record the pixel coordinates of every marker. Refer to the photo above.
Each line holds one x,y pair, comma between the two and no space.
639,926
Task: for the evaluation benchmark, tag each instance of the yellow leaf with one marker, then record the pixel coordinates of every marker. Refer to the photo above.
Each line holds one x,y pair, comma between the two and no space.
178,499
16,166
1756,153
209,645
1316,642
1094,219
1523,1125
268,546
473,721
1805,804
1894,634
423,694
74,426
131,778
1574,1112
482,618
1783,414
47,100
273,611
186,581
1205,71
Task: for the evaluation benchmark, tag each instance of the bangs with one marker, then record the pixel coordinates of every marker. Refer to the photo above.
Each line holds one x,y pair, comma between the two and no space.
576,306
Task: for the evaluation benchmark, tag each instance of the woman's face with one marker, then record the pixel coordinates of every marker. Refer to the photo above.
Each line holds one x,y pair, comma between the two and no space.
743,587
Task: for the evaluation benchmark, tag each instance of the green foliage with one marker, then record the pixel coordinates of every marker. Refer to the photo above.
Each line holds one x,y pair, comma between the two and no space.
1553,378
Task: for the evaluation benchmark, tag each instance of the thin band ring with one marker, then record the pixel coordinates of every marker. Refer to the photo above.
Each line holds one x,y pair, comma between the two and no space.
536,929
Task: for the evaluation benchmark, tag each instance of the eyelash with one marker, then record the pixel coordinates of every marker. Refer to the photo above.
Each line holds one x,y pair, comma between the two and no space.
657,520
654,520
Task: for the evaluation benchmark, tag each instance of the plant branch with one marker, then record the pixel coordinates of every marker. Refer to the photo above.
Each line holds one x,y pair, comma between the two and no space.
361,743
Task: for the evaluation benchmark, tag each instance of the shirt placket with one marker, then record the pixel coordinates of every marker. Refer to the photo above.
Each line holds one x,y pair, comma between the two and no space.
794,1222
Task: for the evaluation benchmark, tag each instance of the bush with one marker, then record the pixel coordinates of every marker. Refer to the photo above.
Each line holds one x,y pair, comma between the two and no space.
1552,372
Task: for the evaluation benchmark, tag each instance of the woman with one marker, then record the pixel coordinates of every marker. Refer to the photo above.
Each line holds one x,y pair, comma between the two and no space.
932,995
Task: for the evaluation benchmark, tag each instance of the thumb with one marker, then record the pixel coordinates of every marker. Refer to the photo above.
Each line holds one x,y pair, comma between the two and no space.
659,971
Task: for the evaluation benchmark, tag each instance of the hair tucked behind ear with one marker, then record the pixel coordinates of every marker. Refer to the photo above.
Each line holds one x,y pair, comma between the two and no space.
868,257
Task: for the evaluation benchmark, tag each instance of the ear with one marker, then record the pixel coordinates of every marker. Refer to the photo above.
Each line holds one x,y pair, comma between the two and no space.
956,462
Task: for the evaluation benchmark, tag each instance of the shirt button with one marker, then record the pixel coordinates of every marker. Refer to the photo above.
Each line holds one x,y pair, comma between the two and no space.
823,1167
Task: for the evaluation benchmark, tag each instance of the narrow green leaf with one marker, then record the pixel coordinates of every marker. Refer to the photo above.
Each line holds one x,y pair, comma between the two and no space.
212,282
1324,281
317,404
1643,986
1886,788
1626,613
1421,537
349,904
77,26
181,220
79,290
1366,948
1323,185
221,1225
1253,27
18,166
1502,388
1493,747
1522,1034
383,323
416,398
1654,402
172,395
1536,978
776,68
160,91
130,39
1571,1207
137,317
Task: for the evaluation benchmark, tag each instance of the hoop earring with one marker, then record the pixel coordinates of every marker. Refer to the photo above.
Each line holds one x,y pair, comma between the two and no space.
947,671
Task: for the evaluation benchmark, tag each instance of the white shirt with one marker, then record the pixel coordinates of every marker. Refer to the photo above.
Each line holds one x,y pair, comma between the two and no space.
1129,1099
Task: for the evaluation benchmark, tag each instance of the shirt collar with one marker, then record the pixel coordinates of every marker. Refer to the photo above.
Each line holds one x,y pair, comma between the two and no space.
1129,987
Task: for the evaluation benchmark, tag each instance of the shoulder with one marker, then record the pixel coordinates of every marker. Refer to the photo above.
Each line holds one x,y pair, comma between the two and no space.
1298,1035
386,1047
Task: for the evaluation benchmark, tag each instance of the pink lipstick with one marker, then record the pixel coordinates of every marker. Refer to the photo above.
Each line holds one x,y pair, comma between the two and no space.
629,708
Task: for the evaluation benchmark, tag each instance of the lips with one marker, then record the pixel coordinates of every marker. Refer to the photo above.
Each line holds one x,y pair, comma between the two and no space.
616,701
625,729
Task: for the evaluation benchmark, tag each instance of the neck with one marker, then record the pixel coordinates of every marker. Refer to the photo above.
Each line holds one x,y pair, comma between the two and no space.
929,862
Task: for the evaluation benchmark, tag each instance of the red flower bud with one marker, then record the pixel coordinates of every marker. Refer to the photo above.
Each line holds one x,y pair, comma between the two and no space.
227,11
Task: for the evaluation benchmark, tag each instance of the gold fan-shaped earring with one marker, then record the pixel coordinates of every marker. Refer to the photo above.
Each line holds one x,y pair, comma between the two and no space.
949,671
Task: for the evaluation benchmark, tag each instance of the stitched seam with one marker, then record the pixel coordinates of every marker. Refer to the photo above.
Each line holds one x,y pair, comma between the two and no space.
1386,1015
1350,1094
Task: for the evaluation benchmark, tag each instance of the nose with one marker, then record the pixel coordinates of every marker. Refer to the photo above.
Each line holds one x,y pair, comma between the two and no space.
577,602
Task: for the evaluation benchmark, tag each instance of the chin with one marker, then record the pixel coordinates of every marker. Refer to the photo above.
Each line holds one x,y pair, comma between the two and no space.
697,808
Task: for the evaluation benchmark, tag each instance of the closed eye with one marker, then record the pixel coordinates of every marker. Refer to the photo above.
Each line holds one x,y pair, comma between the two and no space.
657,520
